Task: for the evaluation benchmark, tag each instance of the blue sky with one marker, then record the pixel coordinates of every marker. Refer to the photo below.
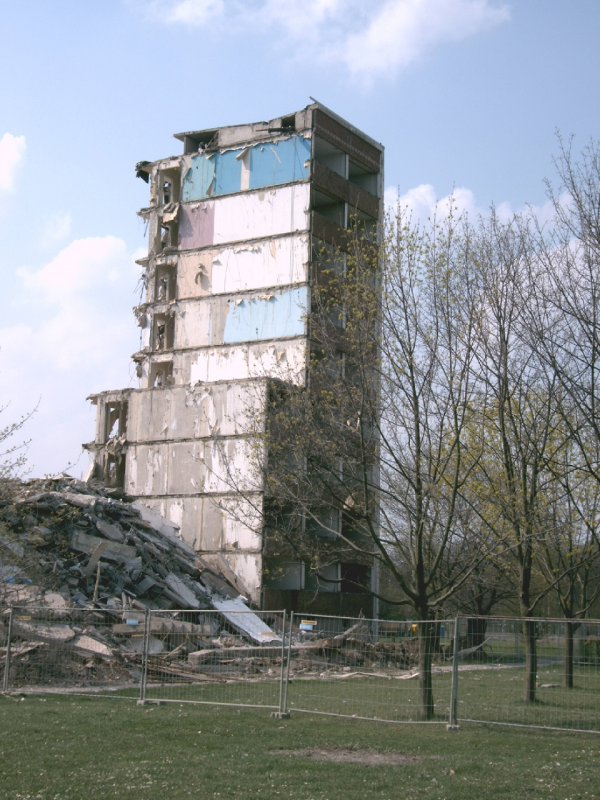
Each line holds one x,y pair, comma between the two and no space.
466,96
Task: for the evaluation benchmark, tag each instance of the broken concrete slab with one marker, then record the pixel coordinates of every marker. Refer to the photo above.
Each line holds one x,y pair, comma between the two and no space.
244,620
113,551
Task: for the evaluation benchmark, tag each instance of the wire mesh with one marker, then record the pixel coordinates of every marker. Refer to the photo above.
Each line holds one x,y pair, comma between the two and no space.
481,670
66,651
369,669
556,686
207,657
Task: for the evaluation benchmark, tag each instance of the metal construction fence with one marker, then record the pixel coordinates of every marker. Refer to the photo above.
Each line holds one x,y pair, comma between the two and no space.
543,673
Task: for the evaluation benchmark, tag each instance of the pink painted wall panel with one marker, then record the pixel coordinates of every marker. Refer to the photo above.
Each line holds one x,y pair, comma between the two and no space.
196,225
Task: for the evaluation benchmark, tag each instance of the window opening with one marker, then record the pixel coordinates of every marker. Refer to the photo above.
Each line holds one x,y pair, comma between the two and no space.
355,578
115,420
161,374
169,234
165,284
325,579
288,576
163,332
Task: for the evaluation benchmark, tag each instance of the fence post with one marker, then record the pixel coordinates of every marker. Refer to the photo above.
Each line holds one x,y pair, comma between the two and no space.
142,698
453,721
282,713
6,677
287,667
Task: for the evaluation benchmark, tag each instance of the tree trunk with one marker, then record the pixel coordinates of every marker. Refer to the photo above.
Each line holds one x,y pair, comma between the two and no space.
476,630
570,652
529,631
426,638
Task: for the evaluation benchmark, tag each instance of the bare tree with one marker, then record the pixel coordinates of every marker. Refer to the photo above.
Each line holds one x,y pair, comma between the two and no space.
568,324
569,557
369,460
452,370
521,424
491,583
564,327
13,451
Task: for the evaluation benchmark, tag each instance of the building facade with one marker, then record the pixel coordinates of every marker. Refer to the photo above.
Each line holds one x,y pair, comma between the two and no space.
232,224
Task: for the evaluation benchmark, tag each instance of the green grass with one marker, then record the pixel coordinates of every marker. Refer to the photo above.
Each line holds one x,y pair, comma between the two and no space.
58,748
496,695
488,693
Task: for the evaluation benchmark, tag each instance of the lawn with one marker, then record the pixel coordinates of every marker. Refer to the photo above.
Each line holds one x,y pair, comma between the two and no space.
486,692
65,748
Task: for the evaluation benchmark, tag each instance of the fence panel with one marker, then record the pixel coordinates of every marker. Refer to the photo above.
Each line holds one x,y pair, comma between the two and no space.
314,664
208,657
64,650
367,669
564,689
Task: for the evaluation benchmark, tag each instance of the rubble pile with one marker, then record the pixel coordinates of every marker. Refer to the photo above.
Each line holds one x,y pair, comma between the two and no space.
81,566
91,548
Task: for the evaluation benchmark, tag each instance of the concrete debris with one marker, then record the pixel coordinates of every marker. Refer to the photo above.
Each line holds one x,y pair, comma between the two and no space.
81,565
244,621
71,537
355,646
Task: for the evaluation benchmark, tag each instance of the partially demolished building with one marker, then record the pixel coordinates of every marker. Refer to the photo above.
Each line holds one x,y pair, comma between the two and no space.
232,225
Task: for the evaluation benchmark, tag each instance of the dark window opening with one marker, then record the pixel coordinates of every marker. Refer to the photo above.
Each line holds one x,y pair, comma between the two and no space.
356,578
169,181
286,576
163,332
330,156
362,177
114,471
323,523
169,234
329,207
325,579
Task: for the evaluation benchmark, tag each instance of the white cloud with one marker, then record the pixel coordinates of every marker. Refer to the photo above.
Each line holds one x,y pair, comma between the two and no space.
194,13
84,265
421,202
307,20
12,151
57,229
400,32
371,39
79,308
75,336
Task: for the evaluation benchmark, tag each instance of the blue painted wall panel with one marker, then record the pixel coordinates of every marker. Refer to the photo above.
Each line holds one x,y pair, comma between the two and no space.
271,164
256,319
198,180
279,162
228,172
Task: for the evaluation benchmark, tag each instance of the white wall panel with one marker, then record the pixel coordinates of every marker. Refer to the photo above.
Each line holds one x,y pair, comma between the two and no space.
213,466
264,213
285,360
243,267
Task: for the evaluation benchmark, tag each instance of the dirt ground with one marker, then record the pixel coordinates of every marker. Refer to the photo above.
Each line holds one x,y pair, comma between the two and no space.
338,755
